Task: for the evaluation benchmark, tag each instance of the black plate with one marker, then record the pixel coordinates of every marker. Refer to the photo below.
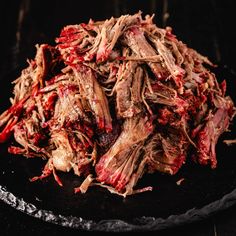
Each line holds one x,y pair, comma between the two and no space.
203,192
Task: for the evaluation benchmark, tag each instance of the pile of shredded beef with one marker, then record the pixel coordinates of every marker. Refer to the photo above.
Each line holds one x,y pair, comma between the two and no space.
115,99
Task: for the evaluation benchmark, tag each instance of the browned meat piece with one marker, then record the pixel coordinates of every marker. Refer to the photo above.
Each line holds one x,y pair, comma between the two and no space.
92,91
207,137
71,151
128,89
135,39
122,160
167,154
46,60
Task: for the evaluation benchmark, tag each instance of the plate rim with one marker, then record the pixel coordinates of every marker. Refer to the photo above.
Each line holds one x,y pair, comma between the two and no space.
144,223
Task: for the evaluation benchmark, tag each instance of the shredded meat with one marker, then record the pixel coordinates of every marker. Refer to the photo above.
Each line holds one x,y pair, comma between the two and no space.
128,89
122,160
116,99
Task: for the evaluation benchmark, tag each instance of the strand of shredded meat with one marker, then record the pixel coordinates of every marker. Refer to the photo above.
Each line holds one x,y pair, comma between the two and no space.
113,100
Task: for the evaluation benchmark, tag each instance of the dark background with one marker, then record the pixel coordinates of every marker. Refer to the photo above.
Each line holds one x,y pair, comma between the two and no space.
206,25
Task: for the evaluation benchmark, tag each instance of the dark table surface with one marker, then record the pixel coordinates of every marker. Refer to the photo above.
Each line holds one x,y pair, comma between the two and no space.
207,26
